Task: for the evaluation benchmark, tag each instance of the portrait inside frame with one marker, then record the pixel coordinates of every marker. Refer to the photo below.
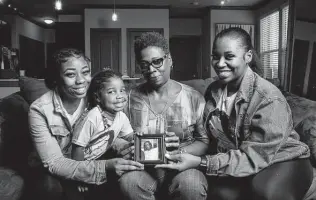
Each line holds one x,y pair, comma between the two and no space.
150,149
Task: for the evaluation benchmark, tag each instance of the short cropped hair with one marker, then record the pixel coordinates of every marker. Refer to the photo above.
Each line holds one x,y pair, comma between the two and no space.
150,39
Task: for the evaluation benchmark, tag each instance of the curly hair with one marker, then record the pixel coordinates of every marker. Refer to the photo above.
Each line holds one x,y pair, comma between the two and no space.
150,39
97,84
59,57
244,37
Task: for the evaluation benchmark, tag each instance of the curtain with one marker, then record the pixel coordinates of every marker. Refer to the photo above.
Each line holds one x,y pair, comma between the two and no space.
249,28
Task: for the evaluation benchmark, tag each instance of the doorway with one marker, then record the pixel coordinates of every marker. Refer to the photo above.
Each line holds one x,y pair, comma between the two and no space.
105,49
311,94
186,56
301,48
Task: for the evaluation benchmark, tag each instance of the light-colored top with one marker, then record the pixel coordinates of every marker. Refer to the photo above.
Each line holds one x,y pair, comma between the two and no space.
51,133
184,114
96,136
225,106
151,154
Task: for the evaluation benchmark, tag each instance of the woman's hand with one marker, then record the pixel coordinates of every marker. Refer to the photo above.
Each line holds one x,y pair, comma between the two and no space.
181,162
120,165
172,140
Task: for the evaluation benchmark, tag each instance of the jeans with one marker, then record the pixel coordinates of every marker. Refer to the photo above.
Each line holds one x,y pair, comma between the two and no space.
45,186
165,184
288,180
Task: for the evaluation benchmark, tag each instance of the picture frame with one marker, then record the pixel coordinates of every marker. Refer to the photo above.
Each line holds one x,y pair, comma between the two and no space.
150,149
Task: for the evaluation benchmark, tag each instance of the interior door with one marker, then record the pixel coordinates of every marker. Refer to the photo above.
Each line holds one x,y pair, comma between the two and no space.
186,56
105,49
300,57
311,93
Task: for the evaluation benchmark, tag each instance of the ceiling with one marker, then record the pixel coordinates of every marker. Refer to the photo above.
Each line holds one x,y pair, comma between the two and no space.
39,9
305,10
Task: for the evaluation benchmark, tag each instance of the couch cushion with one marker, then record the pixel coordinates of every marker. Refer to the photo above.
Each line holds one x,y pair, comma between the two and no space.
11,185
16,141
300,106
199,84
307,131
32,88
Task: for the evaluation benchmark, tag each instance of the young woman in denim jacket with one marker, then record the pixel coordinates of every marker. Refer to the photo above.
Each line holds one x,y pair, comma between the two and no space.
255,153
52,118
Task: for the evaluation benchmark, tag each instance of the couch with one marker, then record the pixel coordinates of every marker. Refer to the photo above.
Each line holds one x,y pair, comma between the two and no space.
15,142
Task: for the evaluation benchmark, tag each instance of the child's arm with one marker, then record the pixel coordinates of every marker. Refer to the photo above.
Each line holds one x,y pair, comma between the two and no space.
129,137
77,152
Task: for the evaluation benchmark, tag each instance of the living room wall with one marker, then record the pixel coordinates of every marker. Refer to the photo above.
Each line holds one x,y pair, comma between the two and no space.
185,26
127,18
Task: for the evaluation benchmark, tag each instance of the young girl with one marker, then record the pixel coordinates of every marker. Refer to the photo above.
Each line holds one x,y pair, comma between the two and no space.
96,132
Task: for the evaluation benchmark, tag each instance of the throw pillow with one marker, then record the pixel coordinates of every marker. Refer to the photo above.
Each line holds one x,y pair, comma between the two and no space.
307,131
32,88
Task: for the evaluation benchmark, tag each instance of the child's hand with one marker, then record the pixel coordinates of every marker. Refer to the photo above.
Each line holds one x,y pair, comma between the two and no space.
82,188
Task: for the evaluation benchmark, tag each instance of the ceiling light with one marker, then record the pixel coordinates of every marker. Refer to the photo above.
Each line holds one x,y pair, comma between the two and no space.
114,15
222,2
195,3
9,5
48,21
58,5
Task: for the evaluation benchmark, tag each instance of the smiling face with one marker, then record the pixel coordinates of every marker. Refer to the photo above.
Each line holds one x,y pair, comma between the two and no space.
156,76
74,78
112,95
230,60
147,146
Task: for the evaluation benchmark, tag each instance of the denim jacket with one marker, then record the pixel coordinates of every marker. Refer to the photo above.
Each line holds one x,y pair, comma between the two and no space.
260,133
51,133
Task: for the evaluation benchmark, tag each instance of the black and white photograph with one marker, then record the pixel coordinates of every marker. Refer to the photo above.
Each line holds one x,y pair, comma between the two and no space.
158,99
149,149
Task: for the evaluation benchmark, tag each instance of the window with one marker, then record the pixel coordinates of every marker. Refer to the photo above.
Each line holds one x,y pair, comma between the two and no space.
273,43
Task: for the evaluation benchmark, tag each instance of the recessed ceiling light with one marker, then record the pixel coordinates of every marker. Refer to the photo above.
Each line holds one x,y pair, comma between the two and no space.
9,5
48,21
222,2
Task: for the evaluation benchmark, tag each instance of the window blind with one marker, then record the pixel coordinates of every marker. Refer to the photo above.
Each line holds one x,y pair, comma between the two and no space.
269,44
283,52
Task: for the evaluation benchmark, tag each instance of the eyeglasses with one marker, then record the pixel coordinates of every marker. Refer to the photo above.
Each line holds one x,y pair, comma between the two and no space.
156,63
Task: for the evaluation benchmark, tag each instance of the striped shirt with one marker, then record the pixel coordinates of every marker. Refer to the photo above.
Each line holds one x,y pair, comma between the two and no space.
96,136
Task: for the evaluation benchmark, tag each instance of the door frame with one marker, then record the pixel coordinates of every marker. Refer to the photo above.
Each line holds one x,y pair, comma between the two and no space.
130,47
109,30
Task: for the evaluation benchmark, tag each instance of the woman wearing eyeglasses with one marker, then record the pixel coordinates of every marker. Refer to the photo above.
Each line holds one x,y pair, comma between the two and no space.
162,105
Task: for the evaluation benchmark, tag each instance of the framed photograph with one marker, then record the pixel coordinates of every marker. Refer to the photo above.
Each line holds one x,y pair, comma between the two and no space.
150,149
